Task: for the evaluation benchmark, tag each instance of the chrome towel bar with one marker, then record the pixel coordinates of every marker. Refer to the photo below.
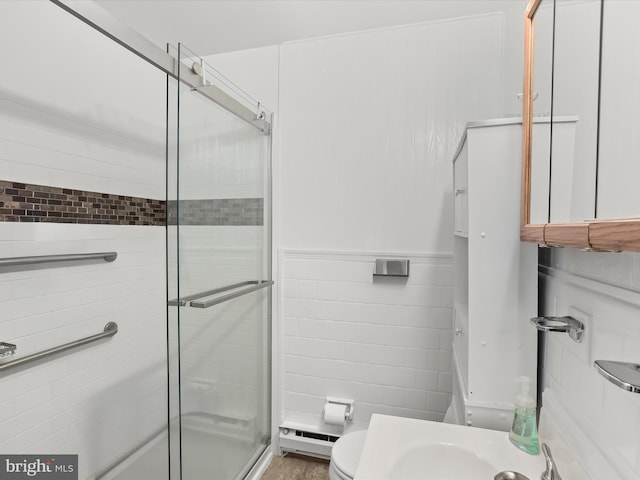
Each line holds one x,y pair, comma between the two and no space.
15,261
256,285
110,329
182,301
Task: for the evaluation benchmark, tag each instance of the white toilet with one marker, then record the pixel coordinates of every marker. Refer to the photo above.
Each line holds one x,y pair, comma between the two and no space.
345,455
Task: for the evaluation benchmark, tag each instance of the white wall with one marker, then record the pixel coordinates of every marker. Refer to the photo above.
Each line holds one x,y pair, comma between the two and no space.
600,422
255,71
366,126
78,111
604,418
370,122
78,85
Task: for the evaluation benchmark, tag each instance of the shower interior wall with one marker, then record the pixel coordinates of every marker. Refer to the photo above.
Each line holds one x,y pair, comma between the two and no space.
79,112
98,124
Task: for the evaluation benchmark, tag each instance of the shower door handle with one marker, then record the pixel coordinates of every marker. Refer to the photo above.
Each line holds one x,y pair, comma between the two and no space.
256,285
182,301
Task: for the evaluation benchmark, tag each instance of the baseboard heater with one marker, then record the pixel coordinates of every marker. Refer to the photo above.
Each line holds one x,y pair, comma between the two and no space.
306,442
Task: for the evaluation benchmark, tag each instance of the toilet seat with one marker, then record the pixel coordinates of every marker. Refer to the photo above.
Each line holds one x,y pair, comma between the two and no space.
345,454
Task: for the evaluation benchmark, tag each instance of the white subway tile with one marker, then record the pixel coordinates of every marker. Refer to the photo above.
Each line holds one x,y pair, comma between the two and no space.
308,289
621,417
327,290
553,359
379,343
290,326
296,269
318,309
447,297
318,270
295,307
415,399
427,380
439,360
437,401
351,271
309,328
337,310
290,288
445,382
440,318
429,274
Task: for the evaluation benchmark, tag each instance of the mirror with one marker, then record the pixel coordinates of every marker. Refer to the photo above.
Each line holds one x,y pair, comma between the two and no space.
578,149
619,150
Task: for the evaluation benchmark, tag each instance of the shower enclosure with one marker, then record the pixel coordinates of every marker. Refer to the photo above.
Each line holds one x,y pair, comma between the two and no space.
218,276
218,239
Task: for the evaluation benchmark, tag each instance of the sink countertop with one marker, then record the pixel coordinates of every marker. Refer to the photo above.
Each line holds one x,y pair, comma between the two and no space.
406,448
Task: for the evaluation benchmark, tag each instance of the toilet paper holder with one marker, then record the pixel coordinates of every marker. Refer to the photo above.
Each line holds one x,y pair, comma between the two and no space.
348,414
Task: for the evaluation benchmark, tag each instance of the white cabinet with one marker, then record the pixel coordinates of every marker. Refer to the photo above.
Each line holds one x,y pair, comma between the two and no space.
460,196
495,277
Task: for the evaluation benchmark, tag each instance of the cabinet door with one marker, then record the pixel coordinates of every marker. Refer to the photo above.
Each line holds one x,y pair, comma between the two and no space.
460,192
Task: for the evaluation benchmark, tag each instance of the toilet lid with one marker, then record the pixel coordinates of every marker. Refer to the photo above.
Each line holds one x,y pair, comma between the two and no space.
345,454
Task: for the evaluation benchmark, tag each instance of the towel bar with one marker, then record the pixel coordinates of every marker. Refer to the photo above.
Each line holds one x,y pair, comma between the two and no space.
110,329
16,261
229,296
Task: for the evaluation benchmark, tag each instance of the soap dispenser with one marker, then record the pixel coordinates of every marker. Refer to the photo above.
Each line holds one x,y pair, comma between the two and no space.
524,433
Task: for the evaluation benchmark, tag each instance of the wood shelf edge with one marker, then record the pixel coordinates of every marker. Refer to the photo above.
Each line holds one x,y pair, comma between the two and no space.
615,235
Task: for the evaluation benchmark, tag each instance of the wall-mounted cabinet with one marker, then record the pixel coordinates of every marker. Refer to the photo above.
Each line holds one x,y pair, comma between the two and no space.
585,55
495,276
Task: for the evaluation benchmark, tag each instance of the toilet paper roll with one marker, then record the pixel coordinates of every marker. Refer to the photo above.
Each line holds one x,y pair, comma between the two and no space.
335,414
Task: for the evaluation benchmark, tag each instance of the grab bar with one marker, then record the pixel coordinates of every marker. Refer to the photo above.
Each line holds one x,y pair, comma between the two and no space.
11,262
215,301
182,301
110,329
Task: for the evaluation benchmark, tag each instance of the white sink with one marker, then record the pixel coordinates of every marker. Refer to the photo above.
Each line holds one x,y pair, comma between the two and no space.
408,449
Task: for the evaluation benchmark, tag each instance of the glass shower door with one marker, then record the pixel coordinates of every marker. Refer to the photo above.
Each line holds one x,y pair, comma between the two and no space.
219,255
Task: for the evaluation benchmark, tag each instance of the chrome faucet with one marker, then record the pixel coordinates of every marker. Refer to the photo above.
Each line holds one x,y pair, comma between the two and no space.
551,473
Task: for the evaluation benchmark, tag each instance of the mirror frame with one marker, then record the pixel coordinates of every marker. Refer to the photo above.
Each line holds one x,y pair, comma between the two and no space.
599,234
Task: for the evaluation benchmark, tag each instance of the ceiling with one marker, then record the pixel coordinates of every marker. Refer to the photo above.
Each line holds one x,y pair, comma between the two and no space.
216,26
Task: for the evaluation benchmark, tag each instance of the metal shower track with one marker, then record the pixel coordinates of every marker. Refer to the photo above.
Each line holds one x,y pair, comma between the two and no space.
98,18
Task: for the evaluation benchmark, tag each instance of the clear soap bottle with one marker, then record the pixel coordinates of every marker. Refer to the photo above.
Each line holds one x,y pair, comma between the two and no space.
524,433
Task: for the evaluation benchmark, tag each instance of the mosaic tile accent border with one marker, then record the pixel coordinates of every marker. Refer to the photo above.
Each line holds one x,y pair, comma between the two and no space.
220,211
20,202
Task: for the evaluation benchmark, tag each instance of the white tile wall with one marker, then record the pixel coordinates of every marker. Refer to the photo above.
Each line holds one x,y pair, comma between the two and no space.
101,399
221,156
223,357
223,349
609,302
79,111
386,343
82,112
